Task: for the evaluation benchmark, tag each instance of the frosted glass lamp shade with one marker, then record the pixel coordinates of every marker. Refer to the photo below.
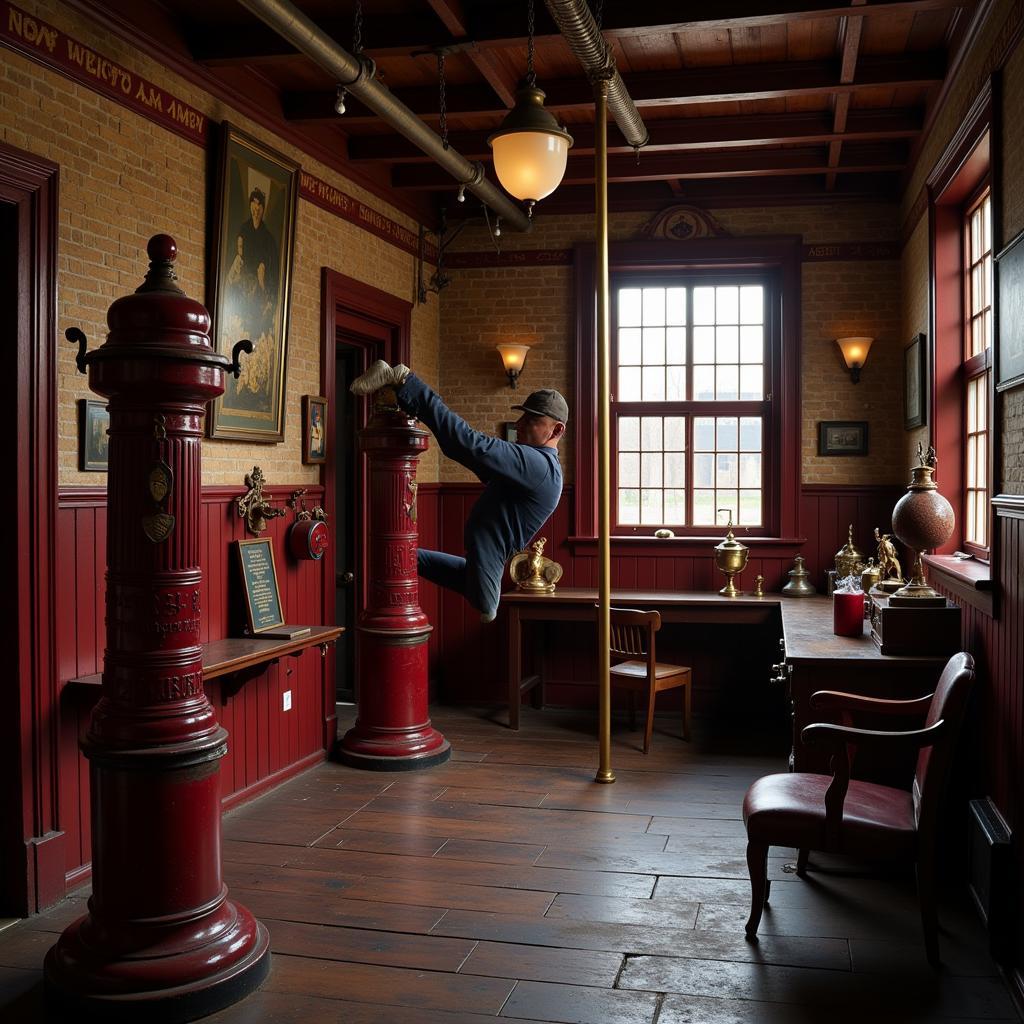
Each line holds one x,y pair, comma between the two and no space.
530,149
512,358
855,354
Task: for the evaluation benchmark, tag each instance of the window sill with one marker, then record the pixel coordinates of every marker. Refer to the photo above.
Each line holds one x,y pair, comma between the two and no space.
784,546
969,580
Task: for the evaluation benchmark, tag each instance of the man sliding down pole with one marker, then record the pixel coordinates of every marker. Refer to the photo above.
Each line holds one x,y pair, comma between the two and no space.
523,481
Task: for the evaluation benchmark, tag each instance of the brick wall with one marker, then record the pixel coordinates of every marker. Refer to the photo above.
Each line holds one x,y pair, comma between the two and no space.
534,305
124,178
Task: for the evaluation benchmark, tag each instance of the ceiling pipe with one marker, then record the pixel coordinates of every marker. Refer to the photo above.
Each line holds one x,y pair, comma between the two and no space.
580,31
356,75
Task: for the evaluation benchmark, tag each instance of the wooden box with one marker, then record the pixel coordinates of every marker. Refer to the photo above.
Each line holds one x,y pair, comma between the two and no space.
904,630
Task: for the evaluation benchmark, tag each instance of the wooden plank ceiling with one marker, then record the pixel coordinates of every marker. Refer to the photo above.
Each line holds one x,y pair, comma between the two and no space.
745,100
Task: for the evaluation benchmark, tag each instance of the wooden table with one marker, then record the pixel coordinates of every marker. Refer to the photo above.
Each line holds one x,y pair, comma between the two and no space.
232,655
811,656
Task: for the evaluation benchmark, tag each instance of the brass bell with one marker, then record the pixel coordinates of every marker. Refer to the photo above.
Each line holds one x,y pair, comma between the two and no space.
799,584
731,558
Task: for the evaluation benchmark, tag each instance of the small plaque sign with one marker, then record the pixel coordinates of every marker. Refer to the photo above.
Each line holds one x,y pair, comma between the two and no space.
259,579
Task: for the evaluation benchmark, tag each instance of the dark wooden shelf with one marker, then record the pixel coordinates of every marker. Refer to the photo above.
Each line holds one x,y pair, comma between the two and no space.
225,657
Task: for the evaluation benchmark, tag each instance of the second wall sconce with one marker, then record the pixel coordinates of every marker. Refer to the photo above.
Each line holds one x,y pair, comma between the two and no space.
512,358
855,354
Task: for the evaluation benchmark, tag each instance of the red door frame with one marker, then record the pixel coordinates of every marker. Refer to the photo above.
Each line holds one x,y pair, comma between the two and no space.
31,842
342,300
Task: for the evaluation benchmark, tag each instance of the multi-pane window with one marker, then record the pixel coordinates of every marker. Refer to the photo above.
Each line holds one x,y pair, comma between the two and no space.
977,367
689,403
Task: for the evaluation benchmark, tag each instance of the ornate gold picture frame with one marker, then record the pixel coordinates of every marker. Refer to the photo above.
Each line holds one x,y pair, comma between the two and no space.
250,286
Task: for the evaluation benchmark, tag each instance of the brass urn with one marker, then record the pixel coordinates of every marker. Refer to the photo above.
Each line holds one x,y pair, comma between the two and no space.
870,576
731,558
849,558
923,520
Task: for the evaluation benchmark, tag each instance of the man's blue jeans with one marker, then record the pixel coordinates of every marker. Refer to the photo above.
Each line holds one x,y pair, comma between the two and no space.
455,573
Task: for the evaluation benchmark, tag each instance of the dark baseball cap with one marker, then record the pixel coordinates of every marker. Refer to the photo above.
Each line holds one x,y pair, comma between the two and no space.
546,402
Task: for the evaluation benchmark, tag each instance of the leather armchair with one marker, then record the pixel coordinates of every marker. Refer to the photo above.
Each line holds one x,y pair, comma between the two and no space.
839,814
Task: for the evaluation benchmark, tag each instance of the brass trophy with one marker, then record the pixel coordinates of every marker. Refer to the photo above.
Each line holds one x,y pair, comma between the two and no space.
731,558
532,572
890,577
849,558
799,584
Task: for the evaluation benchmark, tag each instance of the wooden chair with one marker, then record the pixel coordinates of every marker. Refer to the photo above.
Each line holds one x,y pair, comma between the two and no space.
838,814
632,637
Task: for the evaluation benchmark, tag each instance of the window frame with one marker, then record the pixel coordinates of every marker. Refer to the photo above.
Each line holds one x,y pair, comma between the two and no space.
960,176
692,408
975,366
776,260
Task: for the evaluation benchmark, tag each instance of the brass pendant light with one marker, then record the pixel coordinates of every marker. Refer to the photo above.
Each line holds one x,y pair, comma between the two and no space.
530,149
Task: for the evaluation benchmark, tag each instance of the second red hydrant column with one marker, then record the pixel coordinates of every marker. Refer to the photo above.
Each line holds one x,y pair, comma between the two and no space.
392,730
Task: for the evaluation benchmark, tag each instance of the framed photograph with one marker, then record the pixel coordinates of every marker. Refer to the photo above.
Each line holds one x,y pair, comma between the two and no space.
509,432
843,438
253,240
915,383
1010,316
93,421
314,429
259,582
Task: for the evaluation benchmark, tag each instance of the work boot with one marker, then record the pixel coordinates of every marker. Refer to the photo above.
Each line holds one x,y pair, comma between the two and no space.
379,375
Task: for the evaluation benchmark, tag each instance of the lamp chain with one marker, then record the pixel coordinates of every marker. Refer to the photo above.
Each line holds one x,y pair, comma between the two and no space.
357,29
442,98
531,75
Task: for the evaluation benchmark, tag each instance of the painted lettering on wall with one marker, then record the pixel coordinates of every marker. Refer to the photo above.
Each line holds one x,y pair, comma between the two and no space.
48,45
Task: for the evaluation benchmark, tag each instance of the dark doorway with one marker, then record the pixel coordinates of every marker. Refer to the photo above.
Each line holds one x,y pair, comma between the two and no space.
360,324
346,519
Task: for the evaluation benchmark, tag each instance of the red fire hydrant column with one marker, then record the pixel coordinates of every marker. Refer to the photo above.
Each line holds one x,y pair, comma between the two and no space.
161,941
392,730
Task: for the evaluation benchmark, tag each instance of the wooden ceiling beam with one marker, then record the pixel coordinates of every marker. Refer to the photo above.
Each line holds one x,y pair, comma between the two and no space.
725,192
850,30
452,16
864,158
679,88
693,133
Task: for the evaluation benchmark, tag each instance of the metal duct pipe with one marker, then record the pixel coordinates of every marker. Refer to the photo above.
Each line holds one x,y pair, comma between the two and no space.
580,31
349,71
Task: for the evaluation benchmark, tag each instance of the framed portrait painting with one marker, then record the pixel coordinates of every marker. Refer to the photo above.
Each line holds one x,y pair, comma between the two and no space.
915,383
1010,316
253,241
314,429
843,438
93,450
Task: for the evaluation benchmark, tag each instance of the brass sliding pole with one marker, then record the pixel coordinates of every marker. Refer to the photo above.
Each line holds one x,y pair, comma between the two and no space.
604,562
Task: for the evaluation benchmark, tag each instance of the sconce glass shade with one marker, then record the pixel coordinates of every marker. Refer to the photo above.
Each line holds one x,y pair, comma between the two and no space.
512,359
855,354
530,149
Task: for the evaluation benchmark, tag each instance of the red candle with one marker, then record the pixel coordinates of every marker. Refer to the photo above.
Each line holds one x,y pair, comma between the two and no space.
848,614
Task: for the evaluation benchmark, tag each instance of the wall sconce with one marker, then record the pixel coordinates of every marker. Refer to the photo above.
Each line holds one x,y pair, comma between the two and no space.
855,354
512,358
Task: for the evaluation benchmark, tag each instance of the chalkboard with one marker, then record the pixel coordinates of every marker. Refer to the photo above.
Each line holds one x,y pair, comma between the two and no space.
1010,315
259,581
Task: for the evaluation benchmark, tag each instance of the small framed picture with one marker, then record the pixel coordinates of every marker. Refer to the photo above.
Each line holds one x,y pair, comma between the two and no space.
93,421
509,432
843,438
314,429
915,383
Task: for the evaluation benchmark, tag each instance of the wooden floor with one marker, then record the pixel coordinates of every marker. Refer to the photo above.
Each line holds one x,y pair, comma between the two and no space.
507,884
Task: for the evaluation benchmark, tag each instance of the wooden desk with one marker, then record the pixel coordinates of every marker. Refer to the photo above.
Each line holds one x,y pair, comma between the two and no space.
812,657
225,657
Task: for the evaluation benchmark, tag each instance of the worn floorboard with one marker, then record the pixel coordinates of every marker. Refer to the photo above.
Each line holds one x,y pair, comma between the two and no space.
506,884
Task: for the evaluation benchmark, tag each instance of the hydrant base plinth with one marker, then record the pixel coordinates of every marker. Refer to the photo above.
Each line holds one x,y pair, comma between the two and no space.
402,763
174,1004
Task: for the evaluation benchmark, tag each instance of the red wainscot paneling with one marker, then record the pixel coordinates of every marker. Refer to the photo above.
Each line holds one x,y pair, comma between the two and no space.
468,658
995,740
266,744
